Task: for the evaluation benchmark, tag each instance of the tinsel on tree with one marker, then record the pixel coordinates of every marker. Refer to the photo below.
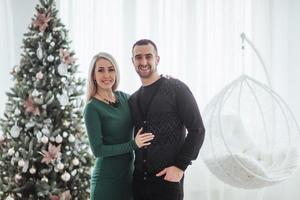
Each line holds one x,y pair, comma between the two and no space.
44,152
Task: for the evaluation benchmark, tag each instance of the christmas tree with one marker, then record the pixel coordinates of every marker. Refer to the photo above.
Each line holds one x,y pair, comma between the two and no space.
44,152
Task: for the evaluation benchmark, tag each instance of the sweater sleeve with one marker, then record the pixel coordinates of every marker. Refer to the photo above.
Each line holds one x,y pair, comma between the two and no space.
190,116
94,130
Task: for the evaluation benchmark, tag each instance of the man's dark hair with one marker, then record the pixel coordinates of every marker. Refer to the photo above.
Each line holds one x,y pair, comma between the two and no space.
144,42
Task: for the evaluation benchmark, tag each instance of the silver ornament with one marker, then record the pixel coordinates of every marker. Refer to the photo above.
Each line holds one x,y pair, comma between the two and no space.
17,68
17,112
52,139
39,136
60,166
44,140
58,139
71,138
15,131
50,58
30,124
62,69
75,162
65,134
63,99
45,179
35,93
39,52
74,172
65,176
32,170
46,131
39,75
11,151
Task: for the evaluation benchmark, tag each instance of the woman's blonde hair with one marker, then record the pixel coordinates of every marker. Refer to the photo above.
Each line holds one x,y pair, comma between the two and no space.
91,84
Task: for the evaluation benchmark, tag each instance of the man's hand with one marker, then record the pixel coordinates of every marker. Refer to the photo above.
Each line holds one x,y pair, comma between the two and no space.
172,174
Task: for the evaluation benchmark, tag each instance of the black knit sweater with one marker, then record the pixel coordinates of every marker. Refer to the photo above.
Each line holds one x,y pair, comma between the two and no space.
167,108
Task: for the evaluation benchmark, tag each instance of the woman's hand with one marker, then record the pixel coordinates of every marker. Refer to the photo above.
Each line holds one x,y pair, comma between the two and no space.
144,139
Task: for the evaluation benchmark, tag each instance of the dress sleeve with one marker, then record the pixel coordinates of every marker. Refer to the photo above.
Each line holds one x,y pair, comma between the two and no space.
94,130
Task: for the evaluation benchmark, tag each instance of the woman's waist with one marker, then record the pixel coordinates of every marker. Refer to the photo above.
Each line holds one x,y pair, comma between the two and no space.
112,173
113,164
115,159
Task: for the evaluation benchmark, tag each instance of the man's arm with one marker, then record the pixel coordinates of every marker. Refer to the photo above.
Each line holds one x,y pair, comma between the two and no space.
189,114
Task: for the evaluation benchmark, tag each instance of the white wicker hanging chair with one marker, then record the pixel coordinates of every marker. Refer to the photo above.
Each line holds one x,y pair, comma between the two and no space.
252,138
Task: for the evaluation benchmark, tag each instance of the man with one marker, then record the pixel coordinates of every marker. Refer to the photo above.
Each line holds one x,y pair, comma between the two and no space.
165,107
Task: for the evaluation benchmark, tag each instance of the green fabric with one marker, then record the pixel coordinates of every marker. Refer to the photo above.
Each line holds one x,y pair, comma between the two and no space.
110,134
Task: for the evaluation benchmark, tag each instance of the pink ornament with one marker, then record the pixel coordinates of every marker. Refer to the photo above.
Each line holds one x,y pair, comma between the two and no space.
30,107
66,57
66,195
54,197
41,21
52,154
39,75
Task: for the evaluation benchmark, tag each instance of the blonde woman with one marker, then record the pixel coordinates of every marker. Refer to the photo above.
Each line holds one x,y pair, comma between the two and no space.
109,127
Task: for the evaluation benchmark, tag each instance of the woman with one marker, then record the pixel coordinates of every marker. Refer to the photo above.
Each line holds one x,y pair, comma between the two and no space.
109,127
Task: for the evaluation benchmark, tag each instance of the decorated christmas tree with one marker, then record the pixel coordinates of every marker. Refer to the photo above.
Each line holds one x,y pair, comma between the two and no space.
44,152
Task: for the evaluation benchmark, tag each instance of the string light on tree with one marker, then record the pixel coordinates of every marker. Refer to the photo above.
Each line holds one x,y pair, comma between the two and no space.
42,128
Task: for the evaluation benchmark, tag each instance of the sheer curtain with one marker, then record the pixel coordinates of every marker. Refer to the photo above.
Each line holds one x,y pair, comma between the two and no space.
199,43
6,48
15,16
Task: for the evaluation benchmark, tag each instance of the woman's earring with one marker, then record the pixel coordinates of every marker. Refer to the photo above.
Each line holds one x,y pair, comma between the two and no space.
95,82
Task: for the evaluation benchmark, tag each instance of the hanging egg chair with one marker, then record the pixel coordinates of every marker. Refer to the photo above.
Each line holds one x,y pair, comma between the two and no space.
252,138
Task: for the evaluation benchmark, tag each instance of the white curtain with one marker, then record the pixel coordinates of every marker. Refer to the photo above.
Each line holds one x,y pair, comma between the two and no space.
199,43
15,16
7,54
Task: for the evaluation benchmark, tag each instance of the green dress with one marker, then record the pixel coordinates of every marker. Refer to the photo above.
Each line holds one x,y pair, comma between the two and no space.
110,134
